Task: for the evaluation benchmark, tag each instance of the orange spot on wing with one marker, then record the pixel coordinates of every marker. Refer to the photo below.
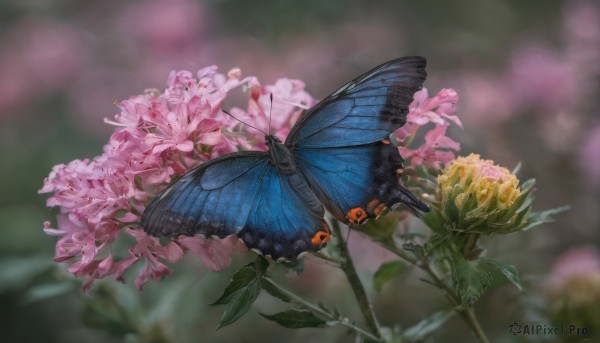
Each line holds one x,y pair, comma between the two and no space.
357,215
385,141
375,206
379,208
321,237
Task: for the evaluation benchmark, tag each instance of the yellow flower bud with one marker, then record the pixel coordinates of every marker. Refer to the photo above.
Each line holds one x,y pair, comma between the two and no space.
476,196
480,179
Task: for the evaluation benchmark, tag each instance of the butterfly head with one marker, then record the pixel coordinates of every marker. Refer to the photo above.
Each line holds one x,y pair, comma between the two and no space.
281,156
270,140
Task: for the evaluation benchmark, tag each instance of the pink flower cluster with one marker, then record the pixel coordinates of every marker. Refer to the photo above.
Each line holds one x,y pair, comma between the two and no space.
160,136
558,86
583,262
27,50
437,148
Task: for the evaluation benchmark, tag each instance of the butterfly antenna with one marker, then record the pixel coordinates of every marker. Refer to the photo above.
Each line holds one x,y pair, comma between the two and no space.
243,122
270,109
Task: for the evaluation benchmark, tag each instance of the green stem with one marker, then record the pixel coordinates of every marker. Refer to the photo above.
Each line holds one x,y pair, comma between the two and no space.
471,318
412,136
357,287
399,252
467,313
330,316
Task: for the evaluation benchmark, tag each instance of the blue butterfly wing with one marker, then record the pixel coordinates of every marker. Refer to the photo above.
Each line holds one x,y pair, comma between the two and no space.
243,194
365,110
341,144
358,182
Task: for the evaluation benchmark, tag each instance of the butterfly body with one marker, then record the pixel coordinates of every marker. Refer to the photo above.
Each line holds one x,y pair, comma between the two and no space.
281,156
337,157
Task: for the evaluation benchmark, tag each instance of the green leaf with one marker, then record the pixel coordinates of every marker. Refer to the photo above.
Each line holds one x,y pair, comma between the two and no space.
439,246
242,278
261,264
449,207
434,220
103,311
538,218
47,291
19,272
410,235
470,279
387,272
526,198
517,168
296,319
508,270
240,303
267,285
242,291
427,326
170,303
419,250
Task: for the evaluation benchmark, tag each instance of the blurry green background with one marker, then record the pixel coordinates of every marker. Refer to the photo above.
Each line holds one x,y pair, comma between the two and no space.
527,73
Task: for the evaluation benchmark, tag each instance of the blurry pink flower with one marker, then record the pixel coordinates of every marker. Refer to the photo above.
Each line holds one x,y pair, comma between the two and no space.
438,110
541,76
158,35
572,290
487,99
216,255
589,157
577,262
162,27
39,56
582,35
556,84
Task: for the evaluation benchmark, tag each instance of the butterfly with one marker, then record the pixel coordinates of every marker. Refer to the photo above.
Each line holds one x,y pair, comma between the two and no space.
336,157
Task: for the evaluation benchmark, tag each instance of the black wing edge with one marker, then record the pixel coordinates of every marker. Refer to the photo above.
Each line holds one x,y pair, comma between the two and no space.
416,64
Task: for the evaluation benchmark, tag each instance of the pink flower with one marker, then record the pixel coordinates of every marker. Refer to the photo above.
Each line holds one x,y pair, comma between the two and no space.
572,290
215,255
589,157
577,262
487,99
162,28
581,30
437,148
39,56
541,76
431,153
437,110
289,98
157,136
556,84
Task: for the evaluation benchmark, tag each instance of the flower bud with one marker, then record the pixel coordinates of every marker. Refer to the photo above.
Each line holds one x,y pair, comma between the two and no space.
475,197
572,290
